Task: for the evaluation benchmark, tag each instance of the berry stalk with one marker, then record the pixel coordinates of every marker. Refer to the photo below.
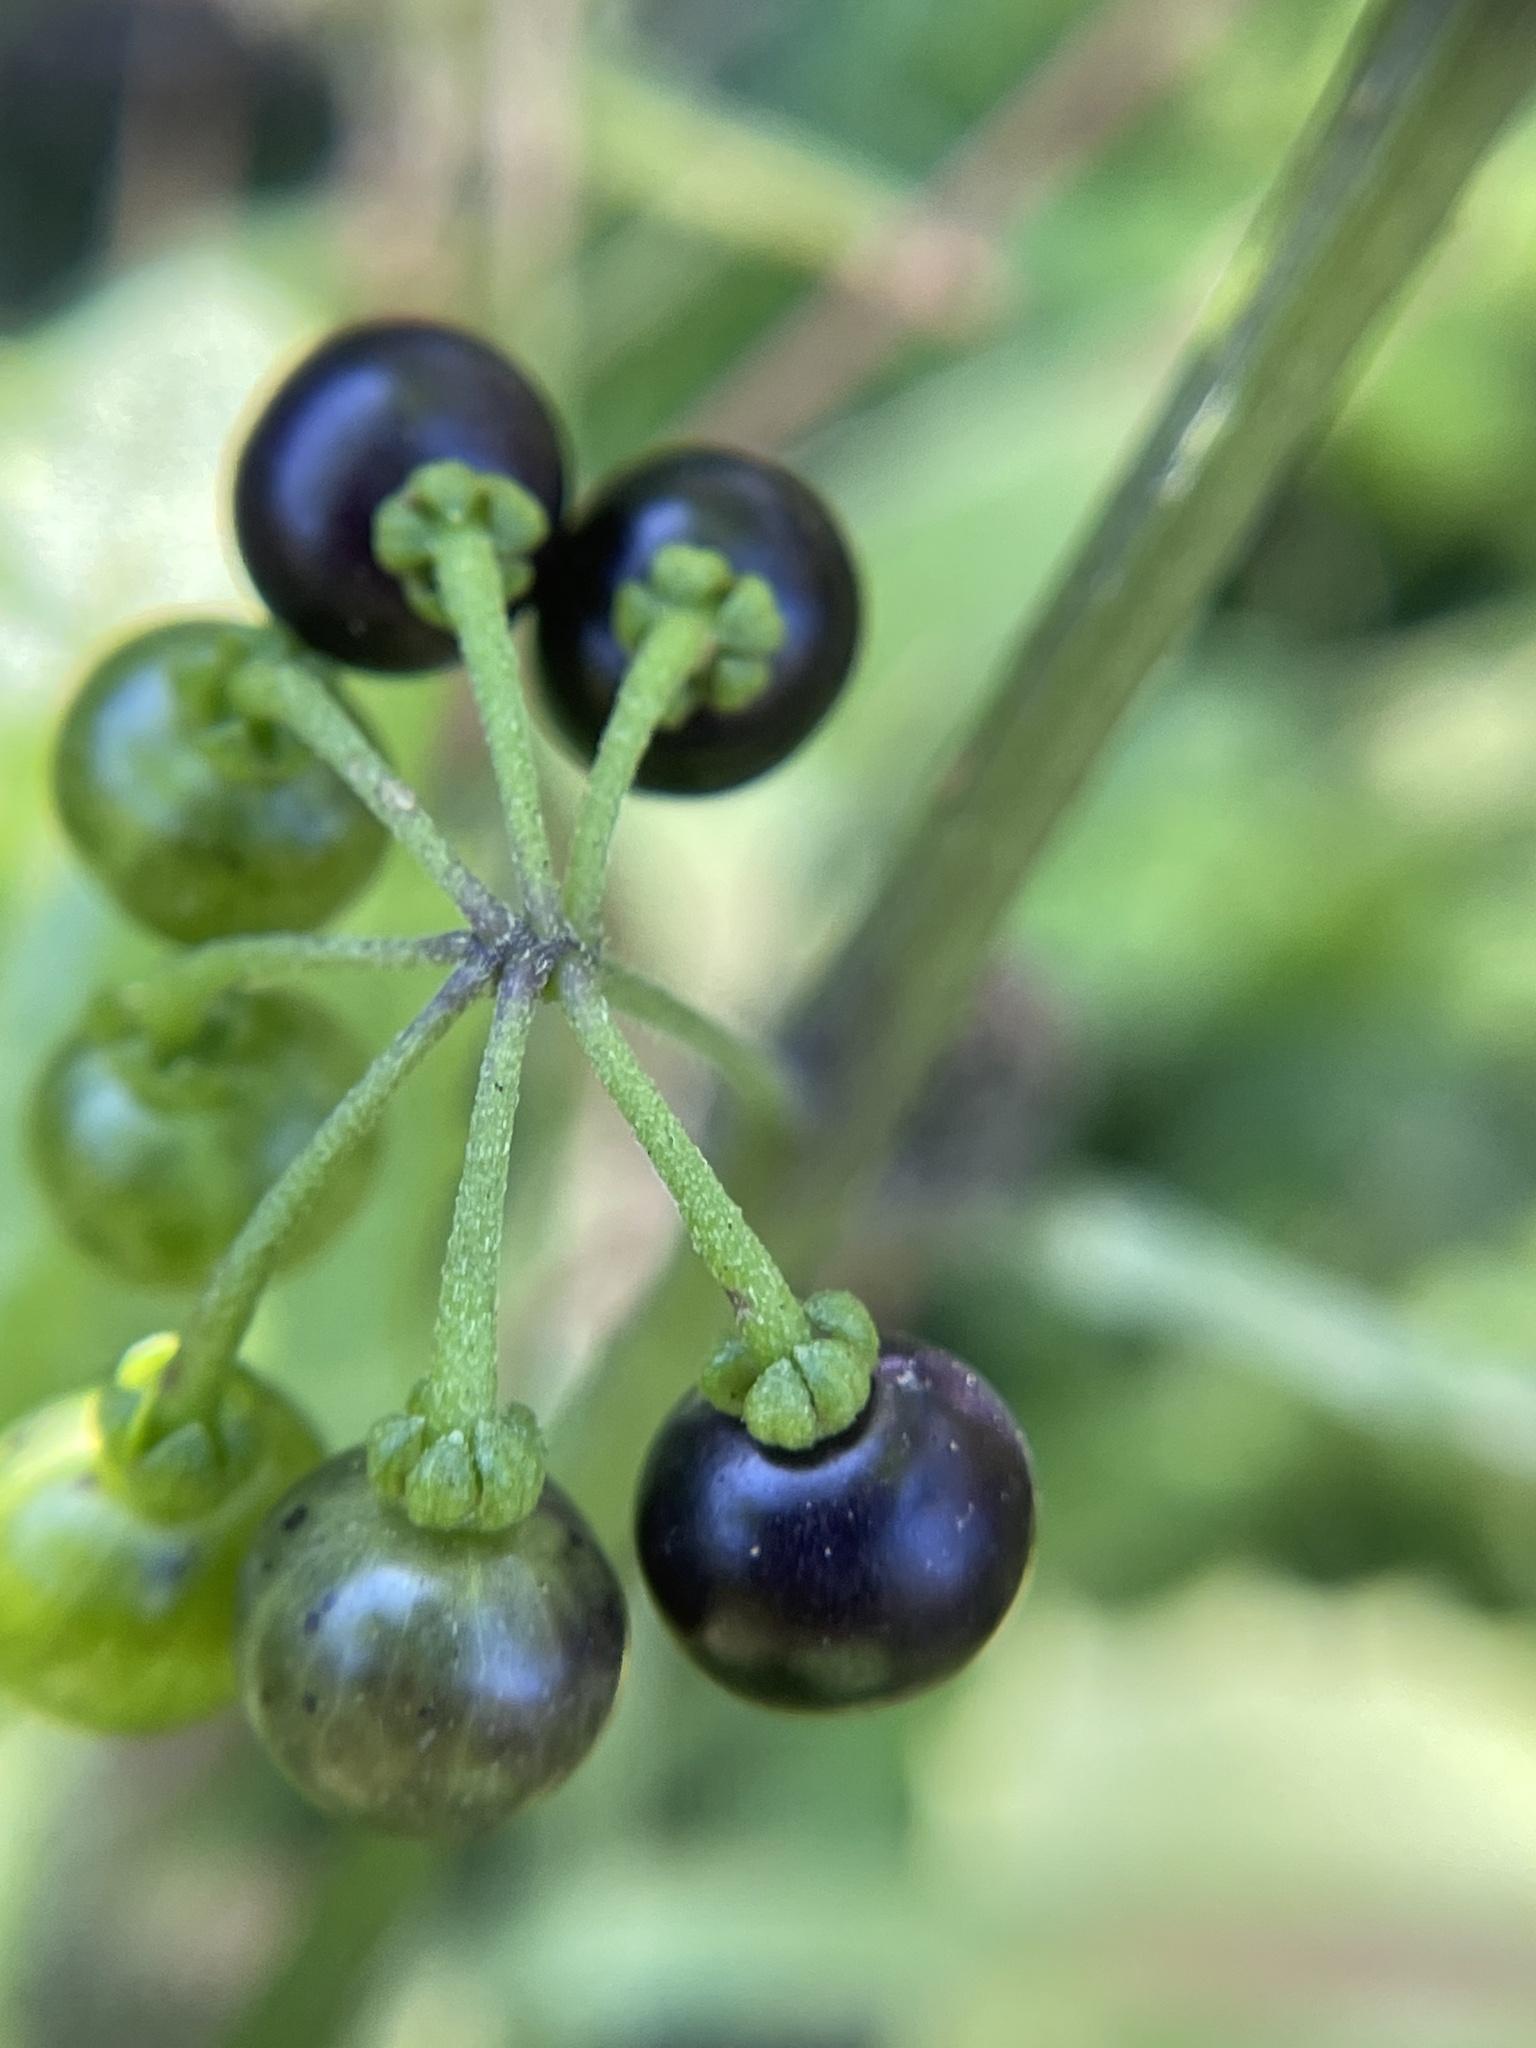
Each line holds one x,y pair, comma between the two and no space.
224,1310
771,1320
470,587
287,693
464,1352
452,1457
757,1078
171,1001
667,657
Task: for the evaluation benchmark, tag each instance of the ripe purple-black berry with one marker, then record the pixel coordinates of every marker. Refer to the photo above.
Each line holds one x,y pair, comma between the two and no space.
341,435
861,1571
764,522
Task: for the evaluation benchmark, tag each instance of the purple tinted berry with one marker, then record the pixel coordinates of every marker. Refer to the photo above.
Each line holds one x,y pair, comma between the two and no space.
765,522
858,1572
340,435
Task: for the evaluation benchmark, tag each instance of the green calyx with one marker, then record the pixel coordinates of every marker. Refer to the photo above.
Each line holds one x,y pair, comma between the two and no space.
484,1474
153,1031
816,1391
243,749
442,499
745,626
173,1467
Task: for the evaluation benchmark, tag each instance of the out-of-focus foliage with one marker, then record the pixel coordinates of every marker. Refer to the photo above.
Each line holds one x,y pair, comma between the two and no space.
1255,1764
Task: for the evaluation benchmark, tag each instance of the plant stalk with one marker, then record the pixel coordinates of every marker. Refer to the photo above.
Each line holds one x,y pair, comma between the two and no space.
286,693
668,655
171,999
772,1321
464,1347
224,1310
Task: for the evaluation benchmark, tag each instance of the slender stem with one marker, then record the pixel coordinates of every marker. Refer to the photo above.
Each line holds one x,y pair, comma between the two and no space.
464,1347
288,693
668,654
224,1310
755,1074
772,1320
469,586
172,998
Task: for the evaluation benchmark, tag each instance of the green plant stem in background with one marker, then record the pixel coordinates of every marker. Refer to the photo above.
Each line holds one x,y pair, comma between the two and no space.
289,694
1423,92
1420,96
668,655
1136,1259
771,1320
171,1000
464,1346
224,1309
756,1076
366,1884
469,584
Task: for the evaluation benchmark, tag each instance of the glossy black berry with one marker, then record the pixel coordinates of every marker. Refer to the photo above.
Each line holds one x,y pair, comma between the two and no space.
423,1682
154,1155
202,823
765,522
340,435
849,1575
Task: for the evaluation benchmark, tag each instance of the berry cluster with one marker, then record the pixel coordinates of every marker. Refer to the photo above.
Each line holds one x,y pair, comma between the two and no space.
423,1629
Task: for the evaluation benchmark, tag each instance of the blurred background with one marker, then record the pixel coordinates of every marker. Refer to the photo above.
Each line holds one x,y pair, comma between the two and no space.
1230,1185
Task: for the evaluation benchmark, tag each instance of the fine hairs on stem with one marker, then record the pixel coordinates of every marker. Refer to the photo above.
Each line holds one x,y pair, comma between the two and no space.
470,585
464,1342
226,1305
771,1319
288,693
667,657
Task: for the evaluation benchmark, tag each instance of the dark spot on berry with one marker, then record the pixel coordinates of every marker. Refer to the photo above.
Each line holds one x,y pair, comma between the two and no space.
295,1518
310,1703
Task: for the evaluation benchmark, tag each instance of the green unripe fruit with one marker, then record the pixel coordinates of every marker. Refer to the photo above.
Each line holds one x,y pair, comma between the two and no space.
115,1614
201,822
422,1681
154,1155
